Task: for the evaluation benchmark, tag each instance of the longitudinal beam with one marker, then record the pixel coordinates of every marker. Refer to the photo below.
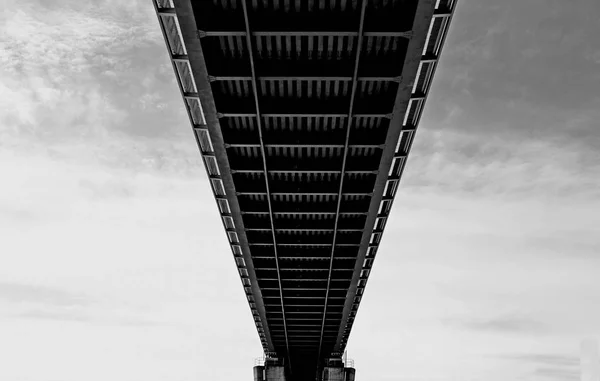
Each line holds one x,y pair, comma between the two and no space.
264,160
235,33
302,213
300,115
251,145
345,156
307,171
305,78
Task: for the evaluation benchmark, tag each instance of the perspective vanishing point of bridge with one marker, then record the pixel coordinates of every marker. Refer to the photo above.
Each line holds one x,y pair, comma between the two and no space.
304,112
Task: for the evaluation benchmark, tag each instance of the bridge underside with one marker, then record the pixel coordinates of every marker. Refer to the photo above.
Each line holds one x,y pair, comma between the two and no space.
304,112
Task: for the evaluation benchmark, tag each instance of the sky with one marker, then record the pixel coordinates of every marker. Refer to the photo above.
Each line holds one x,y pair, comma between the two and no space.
113,266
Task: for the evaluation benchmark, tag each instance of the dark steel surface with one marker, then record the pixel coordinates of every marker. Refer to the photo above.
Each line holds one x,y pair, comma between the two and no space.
265,173
305,112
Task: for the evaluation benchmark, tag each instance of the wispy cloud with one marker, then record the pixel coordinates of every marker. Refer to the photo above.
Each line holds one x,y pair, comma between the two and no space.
40,302
93,317
27,293
497,167
548,366
544,359
501,325
559,374
67,77
516,105
64,315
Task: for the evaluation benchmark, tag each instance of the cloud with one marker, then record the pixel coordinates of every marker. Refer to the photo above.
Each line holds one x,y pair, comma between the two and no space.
559,374
501,325
95,317
26,293
57,101
547,366
513,108
65,315
544,359
19,300
40,302
466,163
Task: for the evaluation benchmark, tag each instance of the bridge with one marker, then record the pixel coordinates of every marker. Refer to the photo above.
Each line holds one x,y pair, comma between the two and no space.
304,112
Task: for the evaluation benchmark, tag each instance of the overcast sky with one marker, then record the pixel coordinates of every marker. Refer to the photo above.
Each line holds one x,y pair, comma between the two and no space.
113,265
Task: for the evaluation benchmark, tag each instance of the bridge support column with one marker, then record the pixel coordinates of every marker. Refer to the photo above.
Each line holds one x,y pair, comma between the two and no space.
336,371
349,374
275,373
333,373
272,370
338,374
259,373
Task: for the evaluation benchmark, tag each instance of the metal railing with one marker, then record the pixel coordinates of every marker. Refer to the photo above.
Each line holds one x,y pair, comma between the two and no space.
259,361
348,363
